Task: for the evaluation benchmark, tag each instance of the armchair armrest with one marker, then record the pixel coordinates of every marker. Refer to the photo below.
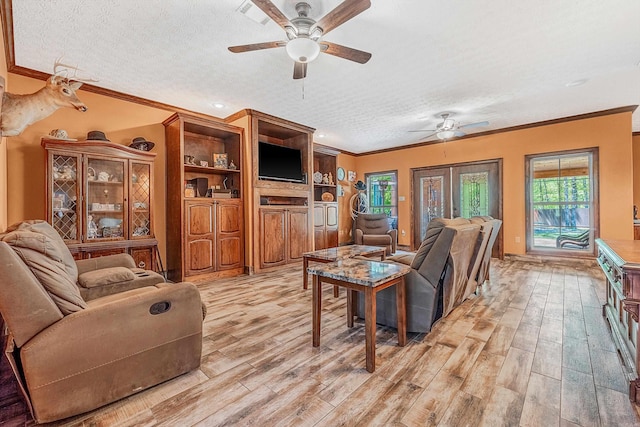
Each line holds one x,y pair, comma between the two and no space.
358,236
394,239
116,260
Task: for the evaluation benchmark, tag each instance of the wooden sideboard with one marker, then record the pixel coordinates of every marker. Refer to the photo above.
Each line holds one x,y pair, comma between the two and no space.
620,261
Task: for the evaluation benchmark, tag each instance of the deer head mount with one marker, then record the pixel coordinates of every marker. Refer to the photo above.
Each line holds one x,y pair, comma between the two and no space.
20,111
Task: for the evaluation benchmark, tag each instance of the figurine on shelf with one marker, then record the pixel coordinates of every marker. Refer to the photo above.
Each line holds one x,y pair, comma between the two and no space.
325,178
330,178
232,165
92,228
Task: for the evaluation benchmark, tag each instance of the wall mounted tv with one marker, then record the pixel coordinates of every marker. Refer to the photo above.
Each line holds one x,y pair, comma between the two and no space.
279,163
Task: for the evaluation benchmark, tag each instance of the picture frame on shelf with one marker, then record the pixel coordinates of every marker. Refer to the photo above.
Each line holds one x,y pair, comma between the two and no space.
220,160
351,176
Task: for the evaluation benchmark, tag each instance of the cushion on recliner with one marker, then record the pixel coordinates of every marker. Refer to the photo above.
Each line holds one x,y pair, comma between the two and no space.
105,276
434,228
43,227
44,257
433,231
376,239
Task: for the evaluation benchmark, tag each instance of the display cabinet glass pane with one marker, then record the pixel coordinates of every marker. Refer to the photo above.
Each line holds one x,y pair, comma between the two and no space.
105,199
64,215
140,217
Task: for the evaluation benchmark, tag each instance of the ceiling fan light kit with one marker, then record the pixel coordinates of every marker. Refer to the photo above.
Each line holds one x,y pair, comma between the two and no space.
445,134
302,49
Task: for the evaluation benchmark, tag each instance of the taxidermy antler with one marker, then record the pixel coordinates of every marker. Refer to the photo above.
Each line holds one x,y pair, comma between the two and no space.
20,111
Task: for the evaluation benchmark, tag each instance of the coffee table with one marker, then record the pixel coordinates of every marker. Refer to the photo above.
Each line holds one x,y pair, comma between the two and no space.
368,277
336,254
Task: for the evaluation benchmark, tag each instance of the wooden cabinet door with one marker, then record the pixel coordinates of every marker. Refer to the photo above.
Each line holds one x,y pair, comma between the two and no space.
229,251
199,254
331,228
272,237
140,200
319,235
143,257
298,233
64,183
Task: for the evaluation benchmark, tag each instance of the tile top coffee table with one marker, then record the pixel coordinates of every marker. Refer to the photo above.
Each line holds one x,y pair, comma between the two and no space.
367,277
336,254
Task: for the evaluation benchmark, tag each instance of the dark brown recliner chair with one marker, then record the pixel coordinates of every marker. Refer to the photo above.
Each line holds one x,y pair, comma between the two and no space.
70,355
374,230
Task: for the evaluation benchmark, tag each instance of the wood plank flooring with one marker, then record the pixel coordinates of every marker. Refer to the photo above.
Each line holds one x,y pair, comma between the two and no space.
532,349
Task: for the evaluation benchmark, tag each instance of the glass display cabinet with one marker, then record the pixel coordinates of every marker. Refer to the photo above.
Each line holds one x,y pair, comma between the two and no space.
100,199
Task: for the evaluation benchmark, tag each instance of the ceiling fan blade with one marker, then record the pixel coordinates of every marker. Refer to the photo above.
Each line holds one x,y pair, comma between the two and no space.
342,13
349,53
428,136
458,133
273,12
256,46
474,125
424,130
300,70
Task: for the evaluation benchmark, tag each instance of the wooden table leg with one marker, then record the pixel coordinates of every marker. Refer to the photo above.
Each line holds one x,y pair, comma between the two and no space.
317,309
305,275
336,291
350,311
401,310
370,328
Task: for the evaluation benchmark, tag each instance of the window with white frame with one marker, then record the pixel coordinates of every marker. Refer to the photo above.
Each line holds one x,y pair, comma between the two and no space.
561,204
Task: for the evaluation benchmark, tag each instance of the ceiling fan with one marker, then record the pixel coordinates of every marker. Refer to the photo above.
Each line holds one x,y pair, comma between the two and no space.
304,35
450,128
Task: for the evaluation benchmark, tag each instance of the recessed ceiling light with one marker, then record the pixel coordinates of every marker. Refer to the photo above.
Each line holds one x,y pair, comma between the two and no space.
576,82
218,105
321,135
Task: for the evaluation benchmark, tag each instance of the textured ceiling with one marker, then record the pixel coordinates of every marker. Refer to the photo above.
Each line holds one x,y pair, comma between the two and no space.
504,61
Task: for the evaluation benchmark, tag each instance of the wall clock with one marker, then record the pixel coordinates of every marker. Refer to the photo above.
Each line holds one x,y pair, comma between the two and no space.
340,174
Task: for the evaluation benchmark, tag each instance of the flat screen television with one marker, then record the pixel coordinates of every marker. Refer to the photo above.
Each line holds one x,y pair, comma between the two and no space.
279,163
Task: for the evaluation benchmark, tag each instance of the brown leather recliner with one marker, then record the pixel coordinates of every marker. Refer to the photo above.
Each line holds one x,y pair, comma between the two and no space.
71,355
374,230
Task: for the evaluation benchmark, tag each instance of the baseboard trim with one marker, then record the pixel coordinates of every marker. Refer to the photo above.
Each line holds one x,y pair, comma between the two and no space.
552,259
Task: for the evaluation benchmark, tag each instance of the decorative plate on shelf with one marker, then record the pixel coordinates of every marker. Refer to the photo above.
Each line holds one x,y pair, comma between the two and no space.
327,197
317,177
340,174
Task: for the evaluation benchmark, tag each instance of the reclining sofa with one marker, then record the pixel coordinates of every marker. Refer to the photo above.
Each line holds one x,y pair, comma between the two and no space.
72,354
447,268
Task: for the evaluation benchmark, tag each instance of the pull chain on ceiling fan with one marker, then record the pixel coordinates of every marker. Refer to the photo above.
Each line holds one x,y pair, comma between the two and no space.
450,128
303,43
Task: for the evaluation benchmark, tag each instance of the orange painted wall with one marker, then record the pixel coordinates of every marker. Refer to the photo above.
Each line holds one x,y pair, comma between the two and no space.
612,134
120,120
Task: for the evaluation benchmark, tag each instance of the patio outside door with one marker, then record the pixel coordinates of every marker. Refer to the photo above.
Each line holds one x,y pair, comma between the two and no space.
462,190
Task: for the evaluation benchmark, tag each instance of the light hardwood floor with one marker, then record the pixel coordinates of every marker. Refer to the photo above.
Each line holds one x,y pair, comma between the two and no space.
532,349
